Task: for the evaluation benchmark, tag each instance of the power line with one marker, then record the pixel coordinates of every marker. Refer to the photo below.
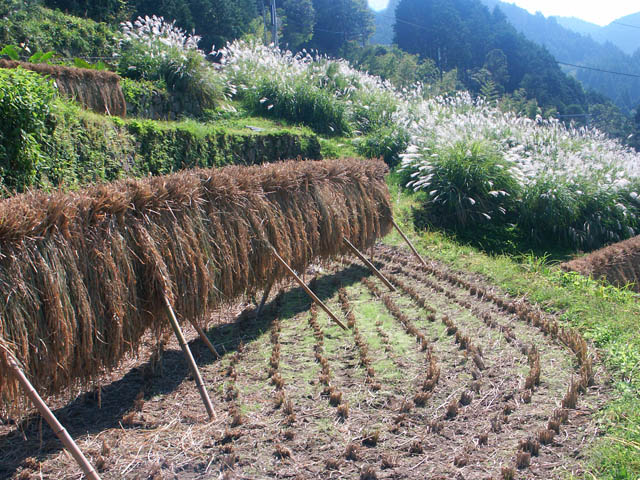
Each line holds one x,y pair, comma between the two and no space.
316,29
626,25
633,75
405,22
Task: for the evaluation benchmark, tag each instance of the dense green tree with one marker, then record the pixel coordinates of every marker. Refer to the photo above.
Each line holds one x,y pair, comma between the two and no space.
216,21
297,22
340,23
607,117
391,63
102,11
178,10
487,51
433,29
496,63
489,88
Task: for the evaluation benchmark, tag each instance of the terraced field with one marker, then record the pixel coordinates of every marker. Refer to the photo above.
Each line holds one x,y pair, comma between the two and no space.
443,378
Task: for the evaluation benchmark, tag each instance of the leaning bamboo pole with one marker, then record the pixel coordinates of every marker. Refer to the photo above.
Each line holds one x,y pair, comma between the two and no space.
204,338
190,360
370,265
309,292
406,239
47,414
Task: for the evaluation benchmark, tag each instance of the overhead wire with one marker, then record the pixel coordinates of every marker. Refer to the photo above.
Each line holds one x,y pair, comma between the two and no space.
626,25
633,75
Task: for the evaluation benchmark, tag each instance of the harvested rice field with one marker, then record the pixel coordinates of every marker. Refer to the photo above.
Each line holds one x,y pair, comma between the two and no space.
444,378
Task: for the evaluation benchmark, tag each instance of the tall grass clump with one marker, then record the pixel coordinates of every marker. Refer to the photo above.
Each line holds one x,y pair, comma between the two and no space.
155,50
389,143
583,215
467,184
327,95
575,187
299,102
93,266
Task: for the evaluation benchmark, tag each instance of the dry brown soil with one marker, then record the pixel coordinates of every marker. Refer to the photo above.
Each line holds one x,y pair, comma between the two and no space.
428,382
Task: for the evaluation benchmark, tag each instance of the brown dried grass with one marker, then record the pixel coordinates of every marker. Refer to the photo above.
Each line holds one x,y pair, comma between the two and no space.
343,411
83,275
619,264
508,473
368,473
94,89
523,460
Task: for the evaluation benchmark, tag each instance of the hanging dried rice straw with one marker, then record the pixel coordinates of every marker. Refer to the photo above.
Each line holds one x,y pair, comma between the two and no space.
82,275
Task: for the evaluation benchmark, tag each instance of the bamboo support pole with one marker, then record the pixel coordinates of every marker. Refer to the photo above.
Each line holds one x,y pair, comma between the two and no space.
205,338
53,422
307,289
192,363
265,296
369,264
413,249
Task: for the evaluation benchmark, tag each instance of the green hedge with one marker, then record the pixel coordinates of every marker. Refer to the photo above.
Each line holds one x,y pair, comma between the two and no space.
26,121
82,147
48,30
170,146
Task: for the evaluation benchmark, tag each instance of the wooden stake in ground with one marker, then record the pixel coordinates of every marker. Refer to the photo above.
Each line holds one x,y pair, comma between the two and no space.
307,289
192,363
413,249
48,415
369,264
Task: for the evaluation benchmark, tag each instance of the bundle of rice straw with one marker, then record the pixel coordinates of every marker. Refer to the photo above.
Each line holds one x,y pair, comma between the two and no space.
83,274
618,264
97,90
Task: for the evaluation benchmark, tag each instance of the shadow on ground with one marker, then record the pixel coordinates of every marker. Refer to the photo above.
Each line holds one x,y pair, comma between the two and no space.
82,416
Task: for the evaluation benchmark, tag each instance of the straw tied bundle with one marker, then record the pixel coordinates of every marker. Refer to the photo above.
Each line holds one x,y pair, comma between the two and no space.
83,275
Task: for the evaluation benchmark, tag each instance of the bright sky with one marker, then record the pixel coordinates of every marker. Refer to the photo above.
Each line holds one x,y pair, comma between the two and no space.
598,12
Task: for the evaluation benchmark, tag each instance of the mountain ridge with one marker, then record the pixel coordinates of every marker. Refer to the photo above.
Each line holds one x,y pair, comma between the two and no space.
566,45
622,36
